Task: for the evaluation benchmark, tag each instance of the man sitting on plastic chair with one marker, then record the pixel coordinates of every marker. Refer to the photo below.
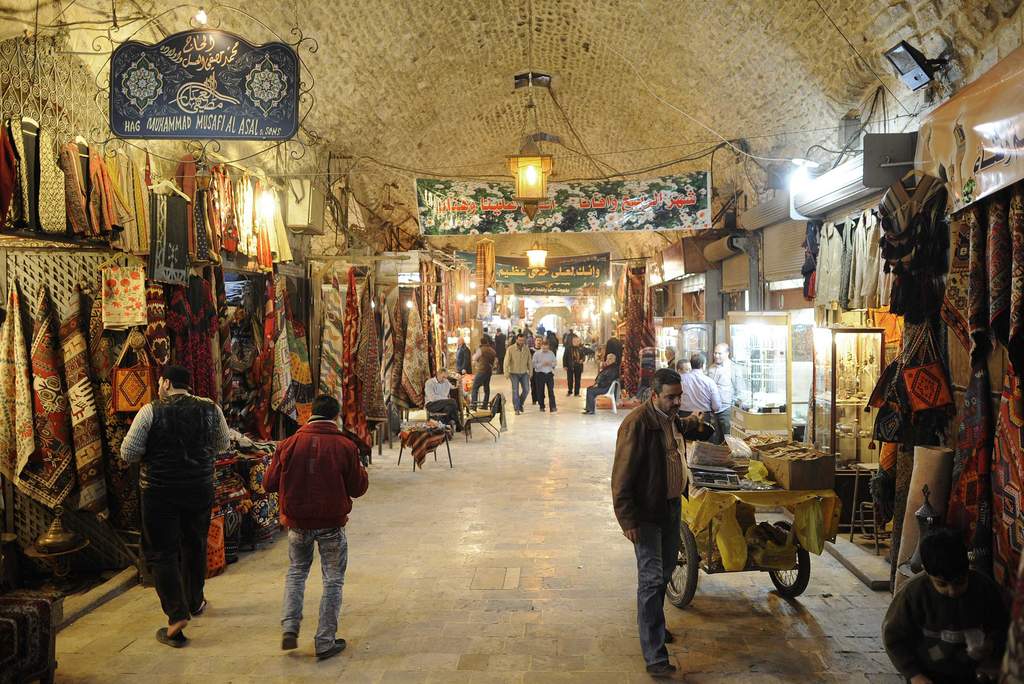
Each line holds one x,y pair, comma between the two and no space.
609,374
438,401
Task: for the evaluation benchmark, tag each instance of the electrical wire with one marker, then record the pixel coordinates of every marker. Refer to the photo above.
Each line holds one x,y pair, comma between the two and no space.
575,133
859,56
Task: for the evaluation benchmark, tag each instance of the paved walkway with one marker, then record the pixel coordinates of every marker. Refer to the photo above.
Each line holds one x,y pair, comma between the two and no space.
509,568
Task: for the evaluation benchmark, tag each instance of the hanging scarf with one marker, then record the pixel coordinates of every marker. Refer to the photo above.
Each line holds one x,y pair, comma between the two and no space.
101,195
415,370
353,407
17,429
332,341
970,501
86,430
387,366
156,326
1008,481
635,324
49,476
368,362
263,369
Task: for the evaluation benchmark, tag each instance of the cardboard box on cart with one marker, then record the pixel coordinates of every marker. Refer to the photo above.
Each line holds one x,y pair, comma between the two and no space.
805,471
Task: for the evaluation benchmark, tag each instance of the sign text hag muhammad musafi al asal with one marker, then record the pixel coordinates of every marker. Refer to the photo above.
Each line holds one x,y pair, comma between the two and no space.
204,84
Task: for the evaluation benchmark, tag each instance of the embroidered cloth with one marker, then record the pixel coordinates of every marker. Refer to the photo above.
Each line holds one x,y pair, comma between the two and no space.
124,297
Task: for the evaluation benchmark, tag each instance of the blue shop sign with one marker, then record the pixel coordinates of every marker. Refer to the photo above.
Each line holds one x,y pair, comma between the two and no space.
204,84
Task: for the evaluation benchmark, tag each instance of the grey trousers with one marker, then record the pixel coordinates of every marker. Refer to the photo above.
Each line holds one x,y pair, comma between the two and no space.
333,561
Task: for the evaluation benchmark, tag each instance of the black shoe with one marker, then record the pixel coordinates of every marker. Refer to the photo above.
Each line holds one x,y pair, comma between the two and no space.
669,637
554,410
289,641
587,413
178,640
661,670
542,409
338,647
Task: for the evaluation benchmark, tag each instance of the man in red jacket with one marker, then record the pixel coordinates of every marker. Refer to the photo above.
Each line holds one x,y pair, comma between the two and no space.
316,473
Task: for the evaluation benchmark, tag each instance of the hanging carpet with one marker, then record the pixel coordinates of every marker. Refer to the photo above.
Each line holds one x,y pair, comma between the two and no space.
282,398
302,390
263,368
635,323
398,315
415,368
368,361
956,301
1015,334
387,366
156,326
332,340
49,476
1008,481
17,428
353,411
86,430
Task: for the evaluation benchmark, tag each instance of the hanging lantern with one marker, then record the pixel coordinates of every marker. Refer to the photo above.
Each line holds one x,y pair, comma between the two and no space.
537,256
531,170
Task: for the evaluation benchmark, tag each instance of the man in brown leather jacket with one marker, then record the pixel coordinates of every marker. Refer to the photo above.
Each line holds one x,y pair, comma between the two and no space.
648,479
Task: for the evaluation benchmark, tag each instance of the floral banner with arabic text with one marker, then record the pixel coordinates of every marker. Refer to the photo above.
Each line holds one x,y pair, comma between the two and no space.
457,207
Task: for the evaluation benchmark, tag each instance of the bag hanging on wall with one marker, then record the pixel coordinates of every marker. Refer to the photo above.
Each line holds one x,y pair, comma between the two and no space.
927,383
133,386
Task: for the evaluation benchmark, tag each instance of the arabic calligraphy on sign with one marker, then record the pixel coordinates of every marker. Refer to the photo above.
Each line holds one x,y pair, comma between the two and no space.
194,98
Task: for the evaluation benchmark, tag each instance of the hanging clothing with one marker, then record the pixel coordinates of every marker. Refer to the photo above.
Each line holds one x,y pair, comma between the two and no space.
1000,256
185,177
17,427
222,207
203,251
863,290
49,475
192,320
86,430
75,190
28,174
279,244
168,255
245,216
8,175
810,265
102,201
135,193
850,230
52,216
829,272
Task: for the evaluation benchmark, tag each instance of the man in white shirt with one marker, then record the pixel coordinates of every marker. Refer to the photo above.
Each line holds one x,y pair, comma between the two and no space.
544,375
437,395
725,376
700,393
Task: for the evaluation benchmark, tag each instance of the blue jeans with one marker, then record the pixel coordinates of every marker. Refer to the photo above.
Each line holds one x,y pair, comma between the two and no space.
520,381
656,550
333,561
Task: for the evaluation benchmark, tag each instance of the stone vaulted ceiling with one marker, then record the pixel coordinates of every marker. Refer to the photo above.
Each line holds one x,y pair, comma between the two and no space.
427,84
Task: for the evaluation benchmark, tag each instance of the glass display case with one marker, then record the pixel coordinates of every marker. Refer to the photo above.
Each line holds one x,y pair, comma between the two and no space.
802,341
847,363
761,352
667,338
695,337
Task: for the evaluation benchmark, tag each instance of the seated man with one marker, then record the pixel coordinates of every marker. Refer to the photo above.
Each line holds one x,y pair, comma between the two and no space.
437,394
948,622
602,383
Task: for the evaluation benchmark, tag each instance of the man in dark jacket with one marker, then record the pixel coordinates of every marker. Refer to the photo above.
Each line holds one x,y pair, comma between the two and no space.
499,349
463,358
316,473
176,438
649,477
608,374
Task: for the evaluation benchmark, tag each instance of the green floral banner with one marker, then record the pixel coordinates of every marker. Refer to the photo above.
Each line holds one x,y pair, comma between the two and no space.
456,207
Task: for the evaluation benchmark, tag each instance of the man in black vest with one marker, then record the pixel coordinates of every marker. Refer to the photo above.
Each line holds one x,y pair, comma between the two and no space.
176,439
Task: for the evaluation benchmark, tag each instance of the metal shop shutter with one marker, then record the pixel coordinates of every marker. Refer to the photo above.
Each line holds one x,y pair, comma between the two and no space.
736,273
783,250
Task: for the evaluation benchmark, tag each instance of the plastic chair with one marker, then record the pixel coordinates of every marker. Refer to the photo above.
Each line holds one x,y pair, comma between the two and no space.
613,394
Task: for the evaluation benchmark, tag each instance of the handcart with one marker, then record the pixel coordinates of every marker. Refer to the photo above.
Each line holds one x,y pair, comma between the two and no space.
720,533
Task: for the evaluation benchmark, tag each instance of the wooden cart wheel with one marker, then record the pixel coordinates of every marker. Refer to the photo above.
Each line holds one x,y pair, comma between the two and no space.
792,583
683,583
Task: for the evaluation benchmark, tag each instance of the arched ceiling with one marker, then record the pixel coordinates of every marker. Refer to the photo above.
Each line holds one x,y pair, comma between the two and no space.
427,84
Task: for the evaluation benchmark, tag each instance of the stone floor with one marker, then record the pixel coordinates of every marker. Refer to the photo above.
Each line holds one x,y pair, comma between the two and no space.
509,568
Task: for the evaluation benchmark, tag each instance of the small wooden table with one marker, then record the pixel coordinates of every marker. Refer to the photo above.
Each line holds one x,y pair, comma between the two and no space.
868,469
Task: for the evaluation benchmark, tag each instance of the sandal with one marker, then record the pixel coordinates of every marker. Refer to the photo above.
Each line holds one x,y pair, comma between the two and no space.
179,640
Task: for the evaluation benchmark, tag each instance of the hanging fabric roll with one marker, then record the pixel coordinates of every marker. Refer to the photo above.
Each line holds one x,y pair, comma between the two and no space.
485,268
86,430
17,429
49,476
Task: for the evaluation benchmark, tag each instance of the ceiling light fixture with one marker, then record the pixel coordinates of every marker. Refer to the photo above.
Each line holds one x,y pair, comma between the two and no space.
537,256
531,170
914,69
804,163
201,16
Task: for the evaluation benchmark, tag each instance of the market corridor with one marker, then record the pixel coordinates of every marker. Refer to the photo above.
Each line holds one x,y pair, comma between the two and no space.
509,568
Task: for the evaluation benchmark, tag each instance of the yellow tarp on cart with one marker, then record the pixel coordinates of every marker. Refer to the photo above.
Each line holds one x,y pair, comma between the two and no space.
815,518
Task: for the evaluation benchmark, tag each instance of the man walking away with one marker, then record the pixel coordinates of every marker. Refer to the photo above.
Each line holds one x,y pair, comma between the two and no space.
572,359
499,350
437,394
176,438
723,372
605,378
483,367
544,375
463,360
520,368
316,473
648,478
